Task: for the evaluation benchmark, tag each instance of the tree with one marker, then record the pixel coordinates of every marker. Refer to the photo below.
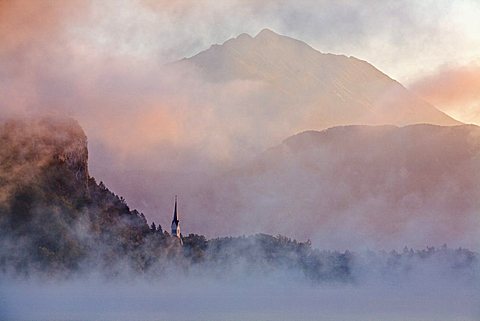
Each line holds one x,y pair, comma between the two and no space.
153,227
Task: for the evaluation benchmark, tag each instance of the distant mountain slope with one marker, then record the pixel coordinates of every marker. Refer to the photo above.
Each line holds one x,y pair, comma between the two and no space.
344,187
360,184
314,90
349,186
235,100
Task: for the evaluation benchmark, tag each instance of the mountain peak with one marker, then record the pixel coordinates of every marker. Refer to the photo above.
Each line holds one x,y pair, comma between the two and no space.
333,89
266,33
243,36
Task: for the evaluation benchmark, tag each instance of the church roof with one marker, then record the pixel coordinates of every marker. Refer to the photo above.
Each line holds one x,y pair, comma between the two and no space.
175,214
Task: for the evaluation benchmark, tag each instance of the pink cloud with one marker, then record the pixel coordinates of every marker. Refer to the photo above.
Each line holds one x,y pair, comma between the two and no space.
452,87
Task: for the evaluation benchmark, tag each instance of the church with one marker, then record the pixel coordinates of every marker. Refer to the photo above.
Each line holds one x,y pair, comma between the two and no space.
176,223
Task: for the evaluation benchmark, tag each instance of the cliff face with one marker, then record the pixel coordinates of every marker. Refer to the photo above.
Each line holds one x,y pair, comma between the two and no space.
30,147
52,213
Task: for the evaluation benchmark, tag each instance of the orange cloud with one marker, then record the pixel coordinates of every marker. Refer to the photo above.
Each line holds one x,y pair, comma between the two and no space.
28,25
456,90
451,85
143,131
33,40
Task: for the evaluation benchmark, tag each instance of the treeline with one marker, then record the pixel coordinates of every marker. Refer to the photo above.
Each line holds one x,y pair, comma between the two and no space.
266,254
55,228
57,220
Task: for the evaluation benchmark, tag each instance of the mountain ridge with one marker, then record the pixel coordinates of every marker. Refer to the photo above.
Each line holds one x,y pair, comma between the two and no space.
390,184
339,89
342,127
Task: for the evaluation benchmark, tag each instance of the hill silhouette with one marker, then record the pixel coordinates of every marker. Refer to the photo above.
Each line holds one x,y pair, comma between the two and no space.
57,221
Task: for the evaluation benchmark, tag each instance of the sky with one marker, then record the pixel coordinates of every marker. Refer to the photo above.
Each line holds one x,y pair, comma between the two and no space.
425,45
421,44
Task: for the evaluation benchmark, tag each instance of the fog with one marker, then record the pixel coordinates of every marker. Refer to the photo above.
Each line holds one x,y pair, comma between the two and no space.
451,86
281,296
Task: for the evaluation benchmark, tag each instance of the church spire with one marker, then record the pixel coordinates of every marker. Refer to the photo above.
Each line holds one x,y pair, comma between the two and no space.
176,222
175,214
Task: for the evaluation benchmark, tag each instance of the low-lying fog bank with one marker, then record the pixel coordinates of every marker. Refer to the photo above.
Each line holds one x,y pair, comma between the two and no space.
424,285
273,297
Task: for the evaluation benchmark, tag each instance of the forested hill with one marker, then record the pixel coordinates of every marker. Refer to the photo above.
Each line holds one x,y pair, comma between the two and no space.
52,213
56,220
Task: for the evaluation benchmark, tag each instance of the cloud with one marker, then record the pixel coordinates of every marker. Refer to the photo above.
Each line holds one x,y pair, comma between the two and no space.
451,85
49,47
454,89
35,54
399,37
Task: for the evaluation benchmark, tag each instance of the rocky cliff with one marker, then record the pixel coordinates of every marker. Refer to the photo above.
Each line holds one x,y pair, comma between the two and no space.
53,215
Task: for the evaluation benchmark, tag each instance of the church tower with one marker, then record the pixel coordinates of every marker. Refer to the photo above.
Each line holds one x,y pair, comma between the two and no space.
176,222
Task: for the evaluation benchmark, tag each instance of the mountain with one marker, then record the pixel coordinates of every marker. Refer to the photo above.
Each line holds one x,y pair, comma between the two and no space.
232,101
343,187
311,89
240,98
379,186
